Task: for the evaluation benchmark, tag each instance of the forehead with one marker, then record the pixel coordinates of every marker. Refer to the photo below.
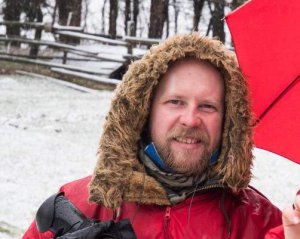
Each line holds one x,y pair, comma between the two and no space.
191,75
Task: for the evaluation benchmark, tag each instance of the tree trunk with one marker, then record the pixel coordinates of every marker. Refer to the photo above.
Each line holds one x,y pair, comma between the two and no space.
54,14
218,20
136,10
167,18
198,6
65,8
38,32
12,12
127,15
236,3
103,17
176,13
157,18
113,15
69,13
131,14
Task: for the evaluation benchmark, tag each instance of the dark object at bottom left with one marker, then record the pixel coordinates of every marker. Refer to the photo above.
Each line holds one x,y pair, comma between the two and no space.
60,216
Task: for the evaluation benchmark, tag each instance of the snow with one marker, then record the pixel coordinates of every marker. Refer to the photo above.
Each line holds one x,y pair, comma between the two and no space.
113,82
49,136
93,38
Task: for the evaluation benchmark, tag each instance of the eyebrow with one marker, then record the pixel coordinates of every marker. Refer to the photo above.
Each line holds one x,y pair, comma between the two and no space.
205,101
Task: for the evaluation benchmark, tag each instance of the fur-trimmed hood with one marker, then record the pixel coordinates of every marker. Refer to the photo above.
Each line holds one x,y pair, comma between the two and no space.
119,176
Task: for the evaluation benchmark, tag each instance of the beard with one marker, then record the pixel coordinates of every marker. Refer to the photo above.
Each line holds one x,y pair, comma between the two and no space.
186,161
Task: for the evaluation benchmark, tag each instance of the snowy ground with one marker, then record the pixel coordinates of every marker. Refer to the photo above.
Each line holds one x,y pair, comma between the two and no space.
49,133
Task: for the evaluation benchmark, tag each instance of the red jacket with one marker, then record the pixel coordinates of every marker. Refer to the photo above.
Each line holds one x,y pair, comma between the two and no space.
215,214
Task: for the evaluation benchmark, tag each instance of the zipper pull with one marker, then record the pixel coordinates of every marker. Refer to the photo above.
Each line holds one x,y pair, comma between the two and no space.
168,213
167,220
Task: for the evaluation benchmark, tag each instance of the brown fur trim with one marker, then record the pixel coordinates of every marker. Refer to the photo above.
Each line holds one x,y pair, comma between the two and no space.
145,189
118,174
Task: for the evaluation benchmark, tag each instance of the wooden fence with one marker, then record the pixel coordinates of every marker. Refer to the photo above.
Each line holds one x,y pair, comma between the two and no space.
69,53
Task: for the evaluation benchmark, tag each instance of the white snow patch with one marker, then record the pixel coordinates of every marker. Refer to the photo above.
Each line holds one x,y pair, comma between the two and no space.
49,136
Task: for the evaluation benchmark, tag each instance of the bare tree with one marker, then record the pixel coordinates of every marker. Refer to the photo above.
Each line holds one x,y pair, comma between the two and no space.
198,6
85,6
12,11
236,3
136,10
69,13
103,17
158,16
113,15
127,17
216,23
167,20
218,20
176,13
33,11
54,13
131,15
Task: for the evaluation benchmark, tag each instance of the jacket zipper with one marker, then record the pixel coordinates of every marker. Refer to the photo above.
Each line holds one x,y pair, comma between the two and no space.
167,222
204,188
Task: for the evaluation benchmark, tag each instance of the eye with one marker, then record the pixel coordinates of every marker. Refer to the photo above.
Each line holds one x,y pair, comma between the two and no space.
175,102
208,108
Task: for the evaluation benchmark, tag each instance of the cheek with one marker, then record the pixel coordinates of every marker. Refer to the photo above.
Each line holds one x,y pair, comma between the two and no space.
215,130
161,123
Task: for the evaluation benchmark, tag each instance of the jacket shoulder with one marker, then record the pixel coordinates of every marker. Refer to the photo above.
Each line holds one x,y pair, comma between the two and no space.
255,209
79,186
255,201
255,197
77,192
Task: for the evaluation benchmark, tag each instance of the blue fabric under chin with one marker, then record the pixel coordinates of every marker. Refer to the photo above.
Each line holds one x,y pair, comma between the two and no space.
214,157
151,152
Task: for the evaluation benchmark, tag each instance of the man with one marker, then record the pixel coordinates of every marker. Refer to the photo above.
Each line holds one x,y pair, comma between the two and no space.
175,155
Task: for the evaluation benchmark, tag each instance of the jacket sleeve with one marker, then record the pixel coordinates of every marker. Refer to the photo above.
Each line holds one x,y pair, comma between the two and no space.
77,191
275,233
33,233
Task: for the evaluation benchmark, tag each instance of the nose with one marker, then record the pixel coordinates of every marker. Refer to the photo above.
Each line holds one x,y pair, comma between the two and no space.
190,118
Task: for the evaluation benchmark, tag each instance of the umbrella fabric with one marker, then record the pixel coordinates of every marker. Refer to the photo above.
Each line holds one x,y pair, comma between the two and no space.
266,37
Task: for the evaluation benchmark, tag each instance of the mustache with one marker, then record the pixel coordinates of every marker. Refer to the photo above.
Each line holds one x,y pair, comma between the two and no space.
195,133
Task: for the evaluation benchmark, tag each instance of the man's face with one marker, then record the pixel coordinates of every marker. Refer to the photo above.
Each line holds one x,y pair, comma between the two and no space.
186,115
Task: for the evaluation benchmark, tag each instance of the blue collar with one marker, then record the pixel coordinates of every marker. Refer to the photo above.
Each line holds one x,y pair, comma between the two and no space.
152,153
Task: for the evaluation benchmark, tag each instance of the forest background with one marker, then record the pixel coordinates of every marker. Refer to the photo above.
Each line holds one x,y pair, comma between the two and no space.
142,18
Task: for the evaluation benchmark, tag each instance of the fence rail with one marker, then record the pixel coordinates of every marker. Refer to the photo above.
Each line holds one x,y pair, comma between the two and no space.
113,64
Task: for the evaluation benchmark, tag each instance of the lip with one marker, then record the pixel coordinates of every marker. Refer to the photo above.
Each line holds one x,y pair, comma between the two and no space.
187,140
181,144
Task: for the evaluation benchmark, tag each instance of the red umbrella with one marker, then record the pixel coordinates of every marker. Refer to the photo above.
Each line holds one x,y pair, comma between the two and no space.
266,37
